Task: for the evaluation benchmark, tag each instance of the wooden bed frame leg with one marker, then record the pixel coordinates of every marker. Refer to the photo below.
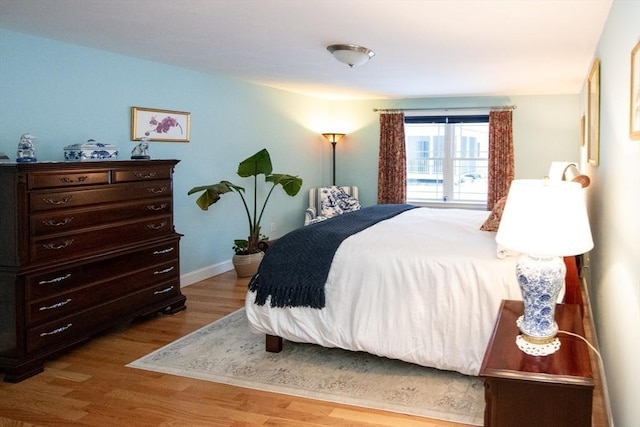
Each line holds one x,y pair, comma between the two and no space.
573,284
273,344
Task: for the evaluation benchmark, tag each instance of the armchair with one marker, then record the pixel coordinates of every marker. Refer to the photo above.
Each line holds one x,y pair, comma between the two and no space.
314,212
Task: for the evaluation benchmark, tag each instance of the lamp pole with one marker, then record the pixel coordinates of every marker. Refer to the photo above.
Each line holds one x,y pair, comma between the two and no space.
333,138
333,147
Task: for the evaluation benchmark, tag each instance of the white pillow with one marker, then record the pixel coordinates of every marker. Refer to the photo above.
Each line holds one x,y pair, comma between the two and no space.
503,252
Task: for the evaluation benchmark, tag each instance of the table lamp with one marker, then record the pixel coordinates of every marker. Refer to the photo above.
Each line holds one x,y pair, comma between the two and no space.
544,221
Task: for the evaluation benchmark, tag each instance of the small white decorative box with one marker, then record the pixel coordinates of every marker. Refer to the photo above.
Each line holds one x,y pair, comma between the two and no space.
90,150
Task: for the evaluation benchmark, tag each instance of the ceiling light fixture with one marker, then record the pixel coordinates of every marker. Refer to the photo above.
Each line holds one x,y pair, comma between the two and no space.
351,54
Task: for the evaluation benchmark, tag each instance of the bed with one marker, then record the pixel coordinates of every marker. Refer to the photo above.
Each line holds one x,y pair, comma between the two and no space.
404,287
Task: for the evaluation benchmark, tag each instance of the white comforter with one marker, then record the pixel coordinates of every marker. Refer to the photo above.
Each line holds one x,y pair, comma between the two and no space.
423,287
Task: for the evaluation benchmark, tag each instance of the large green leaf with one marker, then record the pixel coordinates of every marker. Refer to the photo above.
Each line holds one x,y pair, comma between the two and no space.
291,184
259,163
211,193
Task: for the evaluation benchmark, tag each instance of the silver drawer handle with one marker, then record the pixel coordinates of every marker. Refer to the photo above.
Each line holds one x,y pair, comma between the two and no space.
59,201
144,175
157,226
69,180
156,190
163,251
53,246
156,207
56,331
56,280
166,270
56,305
52,223
164,291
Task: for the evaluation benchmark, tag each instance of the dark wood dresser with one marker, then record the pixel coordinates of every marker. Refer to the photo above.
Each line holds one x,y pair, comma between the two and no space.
84,246
523,390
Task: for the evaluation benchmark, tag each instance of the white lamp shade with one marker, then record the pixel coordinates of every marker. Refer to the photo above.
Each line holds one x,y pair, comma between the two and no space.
545,218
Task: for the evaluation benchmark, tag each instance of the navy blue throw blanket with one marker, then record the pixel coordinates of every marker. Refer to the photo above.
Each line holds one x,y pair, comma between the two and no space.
295,267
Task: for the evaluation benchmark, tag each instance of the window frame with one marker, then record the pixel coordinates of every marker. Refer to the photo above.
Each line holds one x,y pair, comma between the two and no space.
449,159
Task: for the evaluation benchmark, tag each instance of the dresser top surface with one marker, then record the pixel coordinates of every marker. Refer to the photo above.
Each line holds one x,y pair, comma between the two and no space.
89,164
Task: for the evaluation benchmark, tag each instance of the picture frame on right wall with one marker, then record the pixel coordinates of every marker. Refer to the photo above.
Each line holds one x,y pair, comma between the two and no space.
634,106
593,114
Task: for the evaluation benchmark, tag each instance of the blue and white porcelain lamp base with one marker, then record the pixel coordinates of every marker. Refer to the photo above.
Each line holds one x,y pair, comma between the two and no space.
541,279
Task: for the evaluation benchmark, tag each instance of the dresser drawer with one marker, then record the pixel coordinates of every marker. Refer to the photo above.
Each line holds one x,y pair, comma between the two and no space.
63,331
142,174
84,246
58,221
83,243
80,299
42,201
65,279
67,179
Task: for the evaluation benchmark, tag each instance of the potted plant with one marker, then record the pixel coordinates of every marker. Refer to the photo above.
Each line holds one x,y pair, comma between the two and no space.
248,253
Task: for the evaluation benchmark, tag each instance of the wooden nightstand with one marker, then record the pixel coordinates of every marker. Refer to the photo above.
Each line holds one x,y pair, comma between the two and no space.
523,390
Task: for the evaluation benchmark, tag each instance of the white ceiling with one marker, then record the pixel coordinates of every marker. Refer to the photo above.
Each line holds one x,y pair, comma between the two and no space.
423,48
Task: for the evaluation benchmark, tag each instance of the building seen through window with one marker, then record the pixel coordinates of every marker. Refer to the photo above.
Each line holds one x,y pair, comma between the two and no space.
447,158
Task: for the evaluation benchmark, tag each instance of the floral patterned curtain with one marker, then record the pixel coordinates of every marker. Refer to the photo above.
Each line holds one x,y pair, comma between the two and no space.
392,161
501,164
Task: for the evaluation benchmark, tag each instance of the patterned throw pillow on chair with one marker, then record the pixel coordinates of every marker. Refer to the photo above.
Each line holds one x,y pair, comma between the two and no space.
335,201
346,202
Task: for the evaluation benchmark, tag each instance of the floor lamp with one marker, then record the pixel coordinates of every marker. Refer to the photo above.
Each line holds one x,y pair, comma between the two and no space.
333,138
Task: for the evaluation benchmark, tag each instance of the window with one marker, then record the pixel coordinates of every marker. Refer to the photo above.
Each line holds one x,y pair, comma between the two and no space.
447,158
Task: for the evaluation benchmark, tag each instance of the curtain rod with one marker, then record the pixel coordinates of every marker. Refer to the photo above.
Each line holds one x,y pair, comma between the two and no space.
397,110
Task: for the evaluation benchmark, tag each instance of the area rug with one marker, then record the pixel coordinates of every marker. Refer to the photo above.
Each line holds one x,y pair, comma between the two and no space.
226,351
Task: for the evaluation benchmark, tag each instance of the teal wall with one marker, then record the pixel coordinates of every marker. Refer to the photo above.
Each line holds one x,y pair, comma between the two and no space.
614,209
66,94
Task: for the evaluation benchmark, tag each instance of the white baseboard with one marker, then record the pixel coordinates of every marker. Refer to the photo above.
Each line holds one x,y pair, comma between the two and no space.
585,274
204,273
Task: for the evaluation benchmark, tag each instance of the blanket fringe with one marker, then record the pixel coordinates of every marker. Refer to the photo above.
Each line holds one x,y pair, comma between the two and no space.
299,296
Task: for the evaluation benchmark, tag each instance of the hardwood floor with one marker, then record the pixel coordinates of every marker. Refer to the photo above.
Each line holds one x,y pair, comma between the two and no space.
90,384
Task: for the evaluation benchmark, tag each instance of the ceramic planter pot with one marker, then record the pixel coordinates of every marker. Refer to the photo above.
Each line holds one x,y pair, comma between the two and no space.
247,265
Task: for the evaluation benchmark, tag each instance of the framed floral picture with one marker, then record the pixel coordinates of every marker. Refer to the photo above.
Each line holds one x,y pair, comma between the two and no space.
593,114
634,108
160,125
